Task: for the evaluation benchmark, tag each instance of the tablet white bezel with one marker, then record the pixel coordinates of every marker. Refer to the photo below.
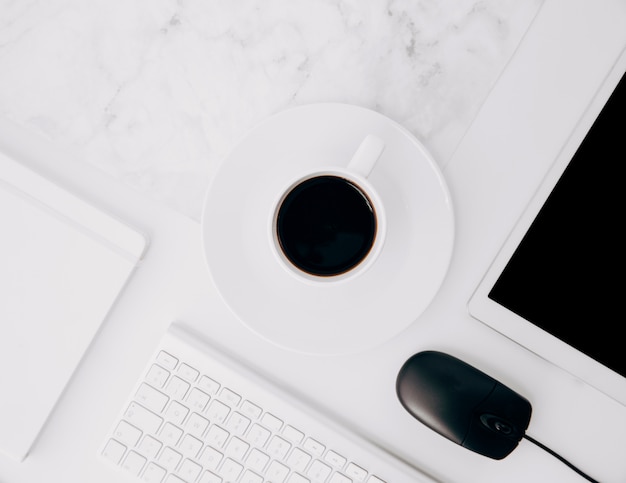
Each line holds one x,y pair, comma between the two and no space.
518,329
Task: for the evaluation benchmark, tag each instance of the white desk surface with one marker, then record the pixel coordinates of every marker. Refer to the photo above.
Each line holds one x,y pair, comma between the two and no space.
491,174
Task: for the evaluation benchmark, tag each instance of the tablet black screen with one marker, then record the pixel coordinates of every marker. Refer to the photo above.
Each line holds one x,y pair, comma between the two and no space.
567,274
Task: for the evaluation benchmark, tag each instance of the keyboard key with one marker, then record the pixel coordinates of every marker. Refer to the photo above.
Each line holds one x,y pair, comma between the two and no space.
335,459
177,388
339,478
230,470
237,423
113,451
217,412
298,460
251,410
133,463
169,458
151,398
170,434
314,447
296,478
176,412
318,471
356,472
167,360
153,473
293,435
229,397
196,425
271,422
258,435
210,458
197,400
236,448
278,448
190,446
257,460
208,385
187,372
157,376
217,436
251,477
209,477
189,470
142,418
276,472
149,446
127,434
374,479
174,479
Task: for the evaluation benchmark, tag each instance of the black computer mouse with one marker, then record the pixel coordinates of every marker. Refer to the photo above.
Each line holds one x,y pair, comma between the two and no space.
463,404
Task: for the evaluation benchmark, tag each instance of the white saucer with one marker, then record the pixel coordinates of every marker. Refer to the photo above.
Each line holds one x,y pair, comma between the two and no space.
330,318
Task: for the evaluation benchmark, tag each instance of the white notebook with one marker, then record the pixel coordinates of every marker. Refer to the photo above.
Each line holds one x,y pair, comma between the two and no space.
62,265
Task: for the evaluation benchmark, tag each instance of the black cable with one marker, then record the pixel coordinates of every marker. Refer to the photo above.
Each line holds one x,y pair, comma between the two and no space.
559,457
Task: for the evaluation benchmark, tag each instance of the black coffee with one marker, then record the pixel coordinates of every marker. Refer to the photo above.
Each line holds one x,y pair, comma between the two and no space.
326,225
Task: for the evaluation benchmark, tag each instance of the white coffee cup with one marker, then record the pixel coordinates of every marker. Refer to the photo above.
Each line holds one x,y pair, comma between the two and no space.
329,225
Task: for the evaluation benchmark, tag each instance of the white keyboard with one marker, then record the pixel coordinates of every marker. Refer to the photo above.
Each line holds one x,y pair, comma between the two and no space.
198,416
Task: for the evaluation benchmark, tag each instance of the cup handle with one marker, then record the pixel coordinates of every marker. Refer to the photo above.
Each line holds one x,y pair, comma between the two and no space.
365,157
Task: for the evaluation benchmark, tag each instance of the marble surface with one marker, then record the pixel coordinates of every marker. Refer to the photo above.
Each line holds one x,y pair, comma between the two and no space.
157,92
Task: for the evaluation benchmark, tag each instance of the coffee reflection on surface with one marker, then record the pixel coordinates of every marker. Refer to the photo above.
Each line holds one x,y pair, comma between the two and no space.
326,225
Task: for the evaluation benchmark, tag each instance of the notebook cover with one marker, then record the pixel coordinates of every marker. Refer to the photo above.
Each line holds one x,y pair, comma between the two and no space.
63,263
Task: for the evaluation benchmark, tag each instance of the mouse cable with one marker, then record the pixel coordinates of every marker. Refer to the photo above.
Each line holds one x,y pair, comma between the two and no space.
559,457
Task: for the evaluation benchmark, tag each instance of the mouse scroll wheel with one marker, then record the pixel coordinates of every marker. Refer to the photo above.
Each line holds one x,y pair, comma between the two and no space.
498,425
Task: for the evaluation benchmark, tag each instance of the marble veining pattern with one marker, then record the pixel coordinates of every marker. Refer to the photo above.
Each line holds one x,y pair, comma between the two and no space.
156,92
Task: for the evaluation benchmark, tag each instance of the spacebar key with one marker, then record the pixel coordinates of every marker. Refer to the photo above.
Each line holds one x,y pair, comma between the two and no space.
142,418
